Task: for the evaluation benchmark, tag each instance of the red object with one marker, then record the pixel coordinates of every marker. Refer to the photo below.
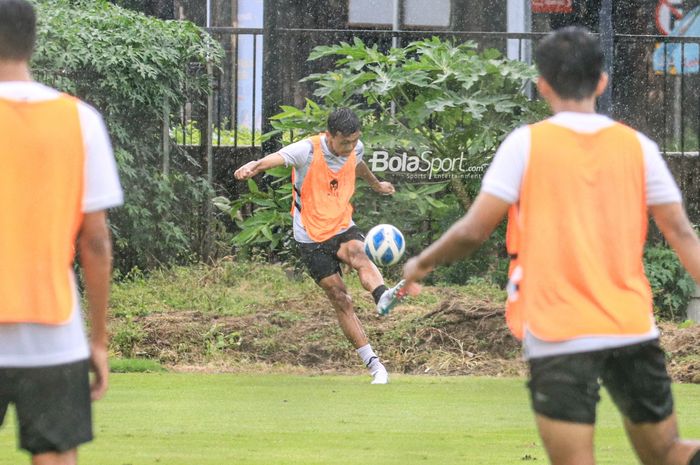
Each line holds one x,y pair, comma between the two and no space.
552,6
672,13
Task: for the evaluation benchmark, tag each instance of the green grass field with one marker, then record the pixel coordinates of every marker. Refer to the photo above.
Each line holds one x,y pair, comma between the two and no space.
198,419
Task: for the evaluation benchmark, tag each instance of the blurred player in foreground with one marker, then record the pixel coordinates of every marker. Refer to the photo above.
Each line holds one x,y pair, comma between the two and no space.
57,178
577,189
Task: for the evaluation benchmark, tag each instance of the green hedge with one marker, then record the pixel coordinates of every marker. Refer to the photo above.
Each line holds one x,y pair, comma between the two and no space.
128,66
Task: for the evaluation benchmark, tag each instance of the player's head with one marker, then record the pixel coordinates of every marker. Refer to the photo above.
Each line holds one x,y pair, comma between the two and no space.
17,30
343,131
571,61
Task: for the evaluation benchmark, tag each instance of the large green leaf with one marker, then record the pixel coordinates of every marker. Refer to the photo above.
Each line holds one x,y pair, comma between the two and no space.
432,99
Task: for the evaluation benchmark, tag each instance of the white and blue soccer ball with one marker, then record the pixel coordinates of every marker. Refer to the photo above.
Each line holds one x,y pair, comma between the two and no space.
385,245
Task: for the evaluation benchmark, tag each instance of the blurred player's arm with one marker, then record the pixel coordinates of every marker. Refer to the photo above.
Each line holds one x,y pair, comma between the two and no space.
381,187
676,228
95,247
461,240
254,167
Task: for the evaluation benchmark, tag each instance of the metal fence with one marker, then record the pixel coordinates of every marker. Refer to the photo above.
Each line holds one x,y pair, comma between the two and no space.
663,103
236,87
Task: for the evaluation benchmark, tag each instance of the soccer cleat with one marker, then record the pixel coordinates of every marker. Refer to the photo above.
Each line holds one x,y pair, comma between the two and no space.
390,298
380,376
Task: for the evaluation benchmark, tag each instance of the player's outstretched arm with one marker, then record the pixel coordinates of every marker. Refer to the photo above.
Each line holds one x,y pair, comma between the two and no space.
381,187
461,240
95,247
252,168
674,225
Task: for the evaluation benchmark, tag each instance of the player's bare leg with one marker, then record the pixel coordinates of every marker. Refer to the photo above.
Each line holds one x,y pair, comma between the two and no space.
353,253
341,300
566,443
56,458
659,443
352,328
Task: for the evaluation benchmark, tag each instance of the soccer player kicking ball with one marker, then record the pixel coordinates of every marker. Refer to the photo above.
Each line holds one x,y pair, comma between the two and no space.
577,188
323,178
58,177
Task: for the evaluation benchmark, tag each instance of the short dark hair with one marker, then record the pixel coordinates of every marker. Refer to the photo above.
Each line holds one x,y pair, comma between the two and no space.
17,30
344,121
571,60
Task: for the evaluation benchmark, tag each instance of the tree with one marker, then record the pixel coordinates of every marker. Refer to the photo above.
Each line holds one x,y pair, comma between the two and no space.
129,66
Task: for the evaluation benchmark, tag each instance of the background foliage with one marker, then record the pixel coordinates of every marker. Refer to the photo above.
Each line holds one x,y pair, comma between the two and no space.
429,96
432,96
671,285
435,97
128,66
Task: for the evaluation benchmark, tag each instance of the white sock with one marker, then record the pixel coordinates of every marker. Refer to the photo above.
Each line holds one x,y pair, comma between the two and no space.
369,358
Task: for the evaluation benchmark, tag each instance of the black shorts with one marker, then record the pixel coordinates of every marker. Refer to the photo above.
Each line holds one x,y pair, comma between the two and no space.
565,387
54,411
321,258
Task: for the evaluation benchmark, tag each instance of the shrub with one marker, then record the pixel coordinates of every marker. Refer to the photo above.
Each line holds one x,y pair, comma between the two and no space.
126,335
671,285
432,97
130,66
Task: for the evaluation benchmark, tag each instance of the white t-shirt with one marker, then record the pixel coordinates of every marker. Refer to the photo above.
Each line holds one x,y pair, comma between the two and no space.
30,344
503,180
299,155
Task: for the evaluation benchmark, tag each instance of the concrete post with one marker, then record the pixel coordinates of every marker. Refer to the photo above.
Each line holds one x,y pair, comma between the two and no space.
693,311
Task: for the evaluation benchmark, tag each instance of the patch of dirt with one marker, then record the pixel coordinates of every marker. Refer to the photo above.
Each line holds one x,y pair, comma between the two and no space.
682,347
460,335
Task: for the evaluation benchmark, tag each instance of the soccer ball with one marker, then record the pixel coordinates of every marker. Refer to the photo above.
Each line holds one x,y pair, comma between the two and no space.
385,244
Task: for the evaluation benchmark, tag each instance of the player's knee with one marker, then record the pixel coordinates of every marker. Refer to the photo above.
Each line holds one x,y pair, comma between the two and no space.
360,261
364,265
662,452
339,296
680,447
695,459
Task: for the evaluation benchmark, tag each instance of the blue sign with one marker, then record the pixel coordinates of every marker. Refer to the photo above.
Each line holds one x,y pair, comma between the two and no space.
680,58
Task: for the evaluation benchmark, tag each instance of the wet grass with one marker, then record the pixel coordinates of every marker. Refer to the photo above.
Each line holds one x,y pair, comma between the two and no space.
240,288
216,419
135,365
229,288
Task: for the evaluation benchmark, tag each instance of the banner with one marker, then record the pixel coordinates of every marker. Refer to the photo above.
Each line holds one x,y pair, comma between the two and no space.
552,6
